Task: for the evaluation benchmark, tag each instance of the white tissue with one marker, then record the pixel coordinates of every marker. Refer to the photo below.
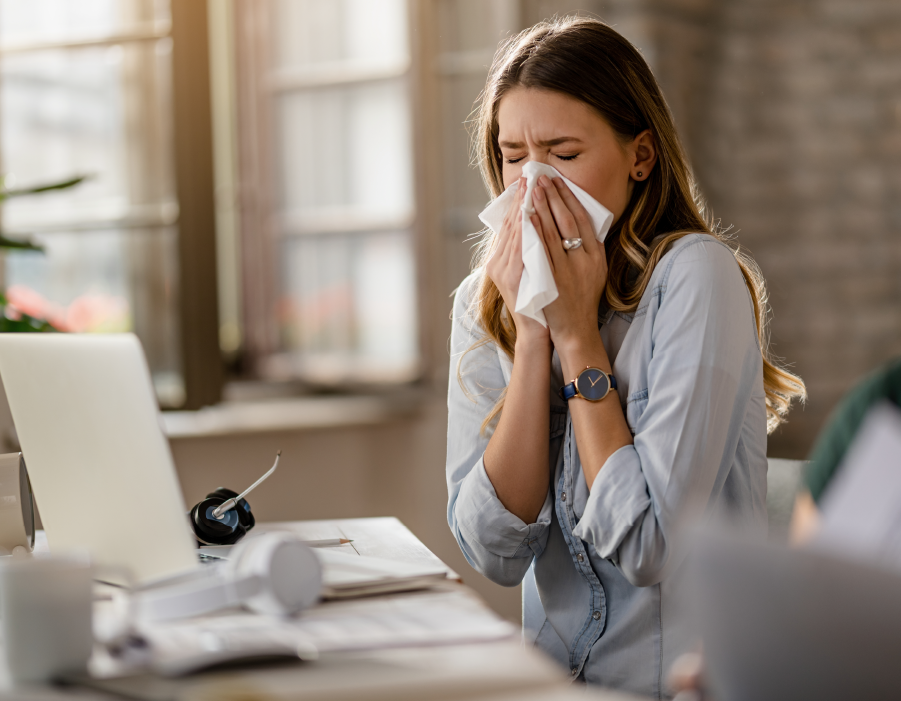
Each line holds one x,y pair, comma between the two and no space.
537,288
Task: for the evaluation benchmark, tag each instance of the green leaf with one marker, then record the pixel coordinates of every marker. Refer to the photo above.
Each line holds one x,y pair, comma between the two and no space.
27,324
20,244
47,187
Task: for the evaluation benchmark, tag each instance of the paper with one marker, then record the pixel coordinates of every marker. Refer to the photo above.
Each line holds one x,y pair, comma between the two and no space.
861,508
356,575
537,288
443,617
446,617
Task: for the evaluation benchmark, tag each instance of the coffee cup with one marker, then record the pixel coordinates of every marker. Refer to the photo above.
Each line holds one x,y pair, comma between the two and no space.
45,613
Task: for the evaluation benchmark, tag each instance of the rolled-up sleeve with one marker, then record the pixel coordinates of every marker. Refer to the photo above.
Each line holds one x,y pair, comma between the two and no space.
497,543
704,368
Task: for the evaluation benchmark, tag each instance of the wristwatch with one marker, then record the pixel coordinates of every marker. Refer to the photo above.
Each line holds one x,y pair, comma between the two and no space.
592,384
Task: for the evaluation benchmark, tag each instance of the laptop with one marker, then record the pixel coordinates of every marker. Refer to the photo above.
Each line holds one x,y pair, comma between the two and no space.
100,466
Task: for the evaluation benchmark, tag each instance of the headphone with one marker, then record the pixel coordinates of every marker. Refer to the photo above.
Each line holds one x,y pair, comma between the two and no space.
272,573
223,517
229,528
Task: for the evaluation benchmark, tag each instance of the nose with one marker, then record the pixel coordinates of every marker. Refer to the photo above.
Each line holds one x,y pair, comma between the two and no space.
539,155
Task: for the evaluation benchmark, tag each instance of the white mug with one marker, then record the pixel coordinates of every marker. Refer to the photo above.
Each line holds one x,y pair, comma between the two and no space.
16,506
45,612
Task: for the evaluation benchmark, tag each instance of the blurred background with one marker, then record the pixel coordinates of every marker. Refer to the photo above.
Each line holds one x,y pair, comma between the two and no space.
280,195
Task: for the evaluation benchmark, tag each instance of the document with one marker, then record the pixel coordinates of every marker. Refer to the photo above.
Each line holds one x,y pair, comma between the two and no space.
346,575
439,617
436,617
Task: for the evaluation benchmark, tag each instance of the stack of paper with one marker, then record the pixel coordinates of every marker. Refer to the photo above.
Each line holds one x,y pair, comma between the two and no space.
346,576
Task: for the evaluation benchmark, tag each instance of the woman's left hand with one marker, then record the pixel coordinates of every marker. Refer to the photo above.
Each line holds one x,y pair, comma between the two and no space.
581,273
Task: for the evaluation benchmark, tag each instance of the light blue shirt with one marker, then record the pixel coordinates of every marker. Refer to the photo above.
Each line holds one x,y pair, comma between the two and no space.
600,569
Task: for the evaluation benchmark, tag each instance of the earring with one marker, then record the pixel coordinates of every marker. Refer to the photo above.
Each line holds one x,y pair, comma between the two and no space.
639,173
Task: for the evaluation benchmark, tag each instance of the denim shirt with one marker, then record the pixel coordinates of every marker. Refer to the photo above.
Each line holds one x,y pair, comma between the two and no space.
600,568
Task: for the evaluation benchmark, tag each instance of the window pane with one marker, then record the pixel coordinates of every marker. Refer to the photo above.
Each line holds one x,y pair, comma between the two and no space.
348,307
107,281
97,111
346,147
311,33
56,20
105,111
344,199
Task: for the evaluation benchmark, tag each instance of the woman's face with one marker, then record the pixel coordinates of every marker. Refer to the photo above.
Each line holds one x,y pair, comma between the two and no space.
563,132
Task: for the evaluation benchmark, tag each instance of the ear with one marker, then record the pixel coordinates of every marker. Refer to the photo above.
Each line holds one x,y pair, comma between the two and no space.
644,155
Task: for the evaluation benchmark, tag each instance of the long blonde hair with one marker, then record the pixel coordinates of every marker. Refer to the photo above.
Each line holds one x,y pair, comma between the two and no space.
586,59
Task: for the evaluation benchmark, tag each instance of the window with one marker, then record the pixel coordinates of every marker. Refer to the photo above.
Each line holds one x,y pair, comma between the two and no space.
327,198
84,89
115,90
344,194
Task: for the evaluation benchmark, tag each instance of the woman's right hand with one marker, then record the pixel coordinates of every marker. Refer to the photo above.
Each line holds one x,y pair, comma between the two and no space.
505,270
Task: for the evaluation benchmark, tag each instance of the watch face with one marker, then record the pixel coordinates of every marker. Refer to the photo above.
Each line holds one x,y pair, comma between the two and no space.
593,384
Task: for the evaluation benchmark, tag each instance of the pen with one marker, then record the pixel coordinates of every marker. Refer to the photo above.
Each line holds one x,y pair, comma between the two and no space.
326,542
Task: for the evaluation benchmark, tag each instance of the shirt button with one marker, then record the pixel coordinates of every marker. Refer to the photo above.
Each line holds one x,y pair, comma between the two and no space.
563,497
574,671
579,557
596,615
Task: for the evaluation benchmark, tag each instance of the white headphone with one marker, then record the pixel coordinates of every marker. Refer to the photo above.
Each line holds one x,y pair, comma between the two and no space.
271,573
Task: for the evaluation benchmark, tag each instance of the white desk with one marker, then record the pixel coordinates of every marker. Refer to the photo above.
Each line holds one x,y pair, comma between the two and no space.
501,670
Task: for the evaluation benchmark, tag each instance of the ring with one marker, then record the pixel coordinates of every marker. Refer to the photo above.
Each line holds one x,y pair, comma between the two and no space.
572,244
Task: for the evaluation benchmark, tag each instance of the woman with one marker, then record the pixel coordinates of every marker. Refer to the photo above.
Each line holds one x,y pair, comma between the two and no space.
582,499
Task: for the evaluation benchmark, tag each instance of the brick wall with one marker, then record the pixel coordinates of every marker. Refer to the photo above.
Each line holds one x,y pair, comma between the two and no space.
791,113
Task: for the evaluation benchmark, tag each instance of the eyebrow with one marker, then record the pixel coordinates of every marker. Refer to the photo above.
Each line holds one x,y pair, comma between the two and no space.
550,142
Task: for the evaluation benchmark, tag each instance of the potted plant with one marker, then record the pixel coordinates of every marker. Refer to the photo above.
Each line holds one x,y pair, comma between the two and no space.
11,318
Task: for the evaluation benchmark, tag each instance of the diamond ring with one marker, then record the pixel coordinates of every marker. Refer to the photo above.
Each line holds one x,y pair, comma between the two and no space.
572,244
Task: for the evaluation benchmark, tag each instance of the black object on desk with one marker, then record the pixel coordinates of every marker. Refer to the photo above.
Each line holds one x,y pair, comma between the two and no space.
224,517
227,530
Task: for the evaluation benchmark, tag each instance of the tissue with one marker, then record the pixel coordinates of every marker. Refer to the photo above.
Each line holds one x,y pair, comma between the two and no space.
537,288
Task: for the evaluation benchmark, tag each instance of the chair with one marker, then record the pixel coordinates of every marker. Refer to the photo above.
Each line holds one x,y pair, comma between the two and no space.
783,478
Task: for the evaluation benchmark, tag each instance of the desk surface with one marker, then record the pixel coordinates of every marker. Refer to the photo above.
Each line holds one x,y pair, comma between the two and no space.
499,670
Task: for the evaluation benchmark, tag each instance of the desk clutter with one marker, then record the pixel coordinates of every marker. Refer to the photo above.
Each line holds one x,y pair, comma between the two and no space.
365,604
118,594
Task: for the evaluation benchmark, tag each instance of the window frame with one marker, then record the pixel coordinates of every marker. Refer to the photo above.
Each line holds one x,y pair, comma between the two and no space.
202,365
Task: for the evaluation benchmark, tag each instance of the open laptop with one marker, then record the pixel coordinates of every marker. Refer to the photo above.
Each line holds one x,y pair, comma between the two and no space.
100,467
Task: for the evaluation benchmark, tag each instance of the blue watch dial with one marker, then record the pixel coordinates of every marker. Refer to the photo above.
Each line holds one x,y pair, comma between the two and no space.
593,384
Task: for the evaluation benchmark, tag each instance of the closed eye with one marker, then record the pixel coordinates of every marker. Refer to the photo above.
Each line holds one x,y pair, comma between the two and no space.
568,158
514,160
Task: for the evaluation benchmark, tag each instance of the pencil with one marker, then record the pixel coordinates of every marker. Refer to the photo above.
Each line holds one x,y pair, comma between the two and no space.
328,542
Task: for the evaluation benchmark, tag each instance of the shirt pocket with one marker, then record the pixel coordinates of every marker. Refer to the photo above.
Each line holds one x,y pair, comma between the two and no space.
635,406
